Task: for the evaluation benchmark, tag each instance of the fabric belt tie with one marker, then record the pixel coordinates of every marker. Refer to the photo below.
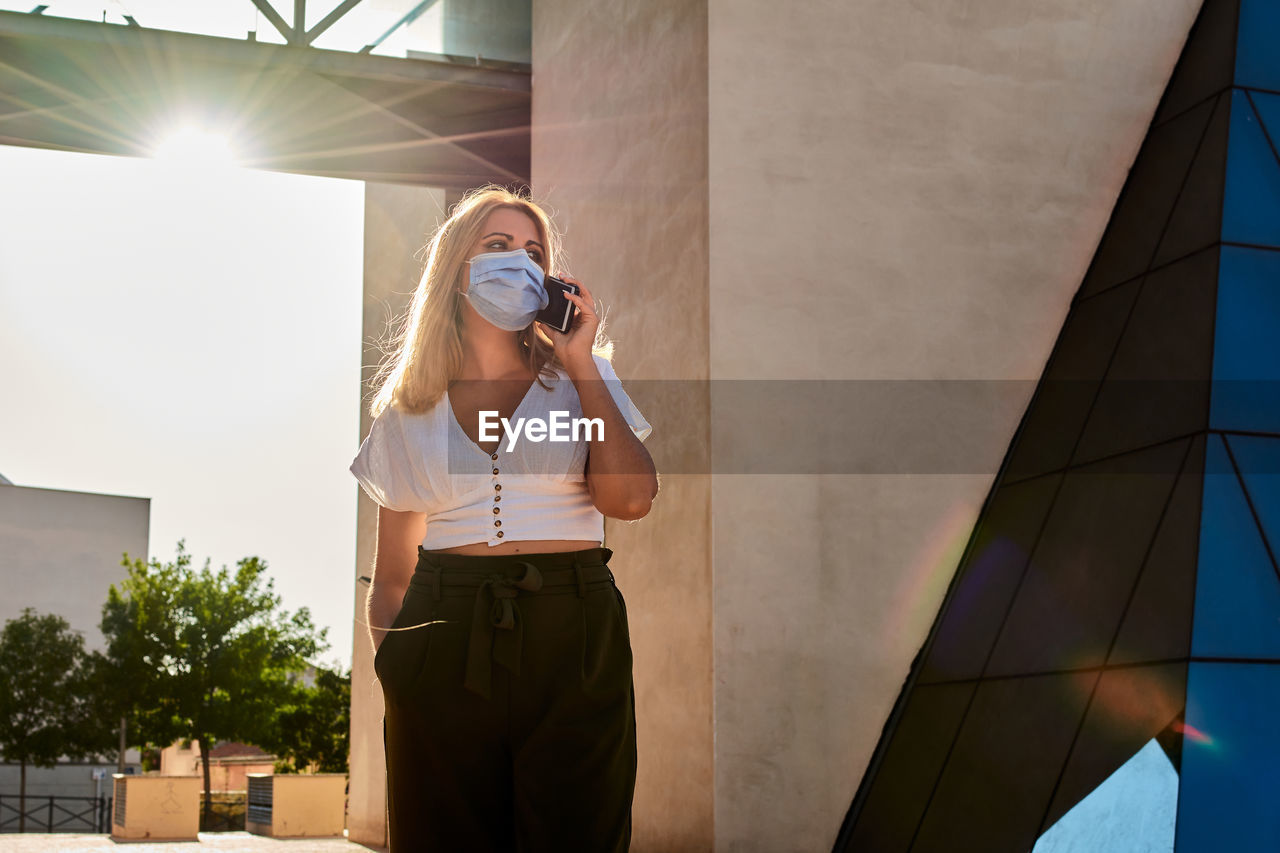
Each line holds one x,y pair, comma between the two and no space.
497,629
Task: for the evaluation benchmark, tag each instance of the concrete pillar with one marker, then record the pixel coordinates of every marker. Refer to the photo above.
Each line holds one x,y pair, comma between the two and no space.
619,151
398,221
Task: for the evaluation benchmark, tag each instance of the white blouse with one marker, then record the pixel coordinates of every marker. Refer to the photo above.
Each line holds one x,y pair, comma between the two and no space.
529,489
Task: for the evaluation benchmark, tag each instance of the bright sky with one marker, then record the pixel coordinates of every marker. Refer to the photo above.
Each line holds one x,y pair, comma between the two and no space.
190,334
364,24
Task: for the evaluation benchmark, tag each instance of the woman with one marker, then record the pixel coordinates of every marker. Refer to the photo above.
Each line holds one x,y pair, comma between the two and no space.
500,639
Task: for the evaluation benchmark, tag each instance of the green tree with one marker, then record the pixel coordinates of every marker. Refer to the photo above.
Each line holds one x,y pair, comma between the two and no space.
314,734
206,655
109,689
46,711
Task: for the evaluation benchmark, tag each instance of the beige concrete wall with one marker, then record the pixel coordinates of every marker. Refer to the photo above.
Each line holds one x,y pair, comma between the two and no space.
398,221
619,147
892,191
928,181
306,805
158,808
177,761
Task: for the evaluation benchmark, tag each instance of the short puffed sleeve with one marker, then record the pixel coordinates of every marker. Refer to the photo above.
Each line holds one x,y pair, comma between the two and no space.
382,465
639,425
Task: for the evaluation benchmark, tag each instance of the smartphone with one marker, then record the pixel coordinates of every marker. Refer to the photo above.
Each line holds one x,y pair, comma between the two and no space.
560,311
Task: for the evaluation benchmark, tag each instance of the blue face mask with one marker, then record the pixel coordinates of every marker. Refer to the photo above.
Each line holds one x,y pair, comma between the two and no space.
506,289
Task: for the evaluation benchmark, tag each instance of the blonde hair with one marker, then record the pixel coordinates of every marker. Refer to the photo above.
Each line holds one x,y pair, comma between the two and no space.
425,354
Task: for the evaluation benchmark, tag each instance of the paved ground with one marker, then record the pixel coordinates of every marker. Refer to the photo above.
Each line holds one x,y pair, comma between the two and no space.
229,842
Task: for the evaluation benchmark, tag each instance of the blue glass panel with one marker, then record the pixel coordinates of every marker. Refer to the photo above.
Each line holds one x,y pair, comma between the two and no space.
1257,60
1246,360
1134,810
1230,760
1267,107
1258,458
1237,594
1251,209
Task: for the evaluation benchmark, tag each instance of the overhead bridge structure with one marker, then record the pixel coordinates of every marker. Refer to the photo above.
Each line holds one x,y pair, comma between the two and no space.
105,88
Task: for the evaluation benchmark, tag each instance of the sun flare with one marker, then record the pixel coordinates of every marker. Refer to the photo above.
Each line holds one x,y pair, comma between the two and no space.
194,145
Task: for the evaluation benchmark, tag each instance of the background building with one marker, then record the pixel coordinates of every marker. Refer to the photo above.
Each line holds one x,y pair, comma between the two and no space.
60,551
229,763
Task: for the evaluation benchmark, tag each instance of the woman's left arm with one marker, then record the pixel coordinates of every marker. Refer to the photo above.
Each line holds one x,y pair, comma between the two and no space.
620,473
621,476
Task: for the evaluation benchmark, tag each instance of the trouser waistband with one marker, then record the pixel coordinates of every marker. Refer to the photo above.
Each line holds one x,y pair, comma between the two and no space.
496,625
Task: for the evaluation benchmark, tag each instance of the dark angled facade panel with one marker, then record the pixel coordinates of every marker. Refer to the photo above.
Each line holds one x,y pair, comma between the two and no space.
1129,697
1257,59
1155,625
1205,65
920,743
1061,403
1130,707
1083,569
1237,611
1146,200
1196,221
1157,386
1000,775
1246,356
1251,208
992,569
1230,759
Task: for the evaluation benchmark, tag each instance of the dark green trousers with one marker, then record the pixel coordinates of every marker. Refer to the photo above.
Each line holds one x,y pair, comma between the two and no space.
510,722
